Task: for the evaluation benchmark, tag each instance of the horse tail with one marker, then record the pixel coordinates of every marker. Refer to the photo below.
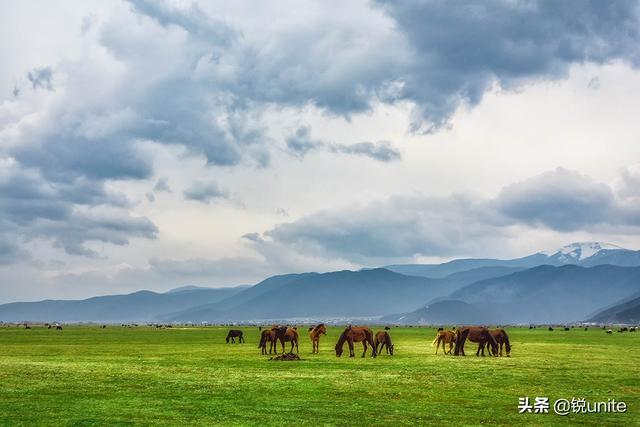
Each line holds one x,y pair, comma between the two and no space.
263,337
228,335
436,339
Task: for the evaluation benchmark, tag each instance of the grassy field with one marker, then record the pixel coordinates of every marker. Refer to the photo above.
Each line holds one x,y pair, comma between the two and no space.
89,376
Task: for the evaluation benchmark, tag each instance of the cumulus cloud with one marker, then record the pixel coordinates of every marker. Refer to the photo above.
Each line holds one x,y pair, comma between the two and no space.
205,192
402,227
561,199
40,78
162,185
301,143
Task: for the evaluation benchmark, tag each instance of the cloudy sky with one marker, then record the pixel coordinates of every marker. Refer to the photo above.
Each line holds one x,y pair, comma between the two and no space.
149,145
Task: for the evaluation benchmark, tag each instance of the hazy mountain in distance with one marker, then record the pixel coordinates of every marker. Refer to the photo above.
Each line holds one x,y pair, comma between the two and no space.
626,311
142,306
342,293
587,254
544,294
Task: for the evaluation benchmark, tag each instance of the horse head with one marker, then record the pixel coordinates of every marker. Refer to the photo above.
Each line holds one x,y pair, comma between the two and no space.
339,350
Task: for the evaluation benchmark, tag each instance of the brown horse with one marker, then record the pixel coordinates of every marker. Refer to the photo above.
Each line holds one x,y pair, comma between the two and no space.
444,337
383,339
478,334
235,333
284,334
268,335
501,337
356,334
314,334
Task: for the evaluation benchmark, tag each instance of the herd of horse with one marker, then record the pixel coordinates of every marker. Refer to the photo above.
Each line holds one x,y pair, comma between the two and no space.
493,340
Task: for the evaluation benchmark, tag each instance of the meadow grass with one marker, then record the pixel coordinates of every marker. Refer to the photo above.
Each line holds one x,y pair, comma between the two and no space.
84,375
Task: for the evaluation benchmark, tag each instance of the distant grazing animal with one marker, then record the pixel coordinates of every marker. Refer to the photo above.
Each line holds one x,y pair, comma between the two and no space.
387,328
49,327
59,327
444,337
353,334
478,334
383,339
501,337
27,326
566,329
314,334
284,334
259,328
235,333
586,329
632,329
550,328
609,331
268,336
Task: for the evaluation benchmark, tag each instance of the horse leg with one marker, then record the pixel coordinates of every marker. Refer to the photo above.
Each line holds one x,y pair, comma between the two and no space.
364,344
297,350
351,353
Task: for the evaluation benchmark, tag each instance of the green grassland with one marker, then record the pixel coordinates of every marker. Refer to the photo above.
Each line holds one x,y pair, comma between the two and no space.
89,376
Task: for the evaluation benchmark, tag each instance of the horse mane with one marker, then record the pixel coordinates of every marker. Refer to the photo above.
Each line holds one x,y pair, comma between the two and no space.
318,326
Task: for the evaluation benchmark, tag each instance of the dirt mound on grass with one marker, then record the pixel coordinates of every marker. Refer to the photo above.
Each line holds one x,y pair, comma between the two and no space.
286,357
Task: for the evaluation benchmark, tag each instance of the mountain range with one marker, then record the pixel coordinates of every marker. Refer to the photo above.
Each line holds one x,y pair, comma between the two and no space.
577,282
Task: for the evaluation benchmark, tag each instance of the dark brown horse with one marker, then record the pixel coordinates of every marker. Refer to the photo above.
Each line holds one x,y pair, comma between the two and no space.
284,334
501,337
383,339
356,334
314,334
444,337
478,334
268,336
233,334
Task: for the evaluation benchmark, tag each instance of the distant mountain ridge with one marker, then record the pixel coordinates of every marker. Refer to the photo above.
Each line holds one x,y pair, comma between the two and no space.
543,294
586,254
567,284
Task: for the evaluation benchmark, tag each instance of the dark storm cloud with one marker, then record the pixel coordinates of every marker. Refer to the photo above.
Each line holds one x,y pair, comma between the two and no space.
205,192
300,144
69,214
461,49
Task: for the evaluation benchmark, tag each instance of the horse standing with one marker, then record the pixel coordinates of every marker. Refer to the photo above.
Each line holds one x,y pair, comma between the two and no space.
314,334
356,334
284,334
383,339
233,334
268,335
478,334
444,337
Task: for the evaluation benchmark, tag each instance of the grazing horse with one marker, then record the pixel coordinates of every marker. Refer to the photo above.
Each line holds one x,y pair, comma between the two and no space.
501,337
284,334
268,335
235,333
444,337
478,334
314,334
383,339
356,334
59,327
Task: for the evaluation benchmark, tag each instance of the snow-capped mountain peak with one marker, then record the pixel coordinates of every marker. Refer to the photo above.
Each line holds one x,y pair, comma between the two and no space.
579,251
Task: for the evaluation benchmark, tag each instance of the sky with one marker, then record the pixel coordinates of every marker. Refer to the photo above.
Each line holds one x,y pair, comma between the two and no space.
156,144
